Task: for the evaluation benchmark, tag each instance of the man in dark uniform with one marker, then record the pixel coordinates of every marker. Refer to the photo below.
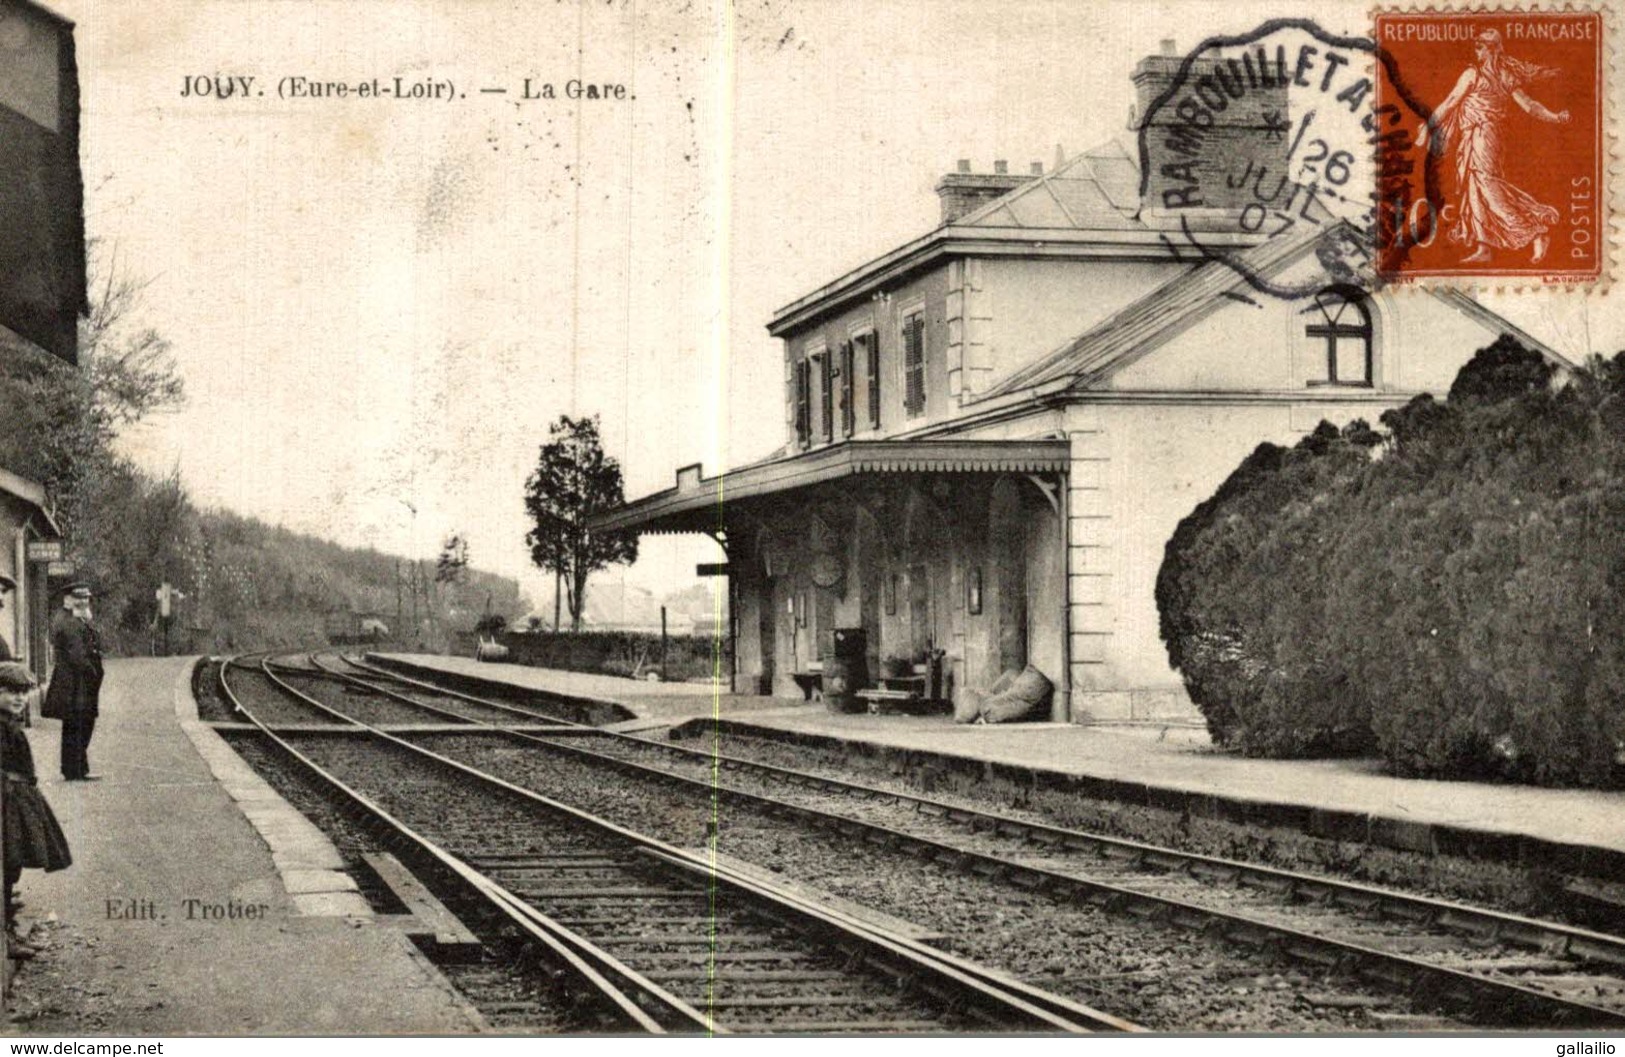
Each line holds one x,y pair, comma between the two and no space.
76,681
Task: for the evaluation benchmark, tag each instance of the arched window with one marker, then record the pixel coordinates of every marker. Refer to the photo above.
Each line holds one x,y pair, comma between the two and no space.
1341,321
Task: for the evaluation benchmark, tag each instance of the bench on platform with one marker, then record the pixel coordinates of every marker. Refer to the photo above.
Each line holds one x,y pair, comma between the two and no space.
811,683
900,703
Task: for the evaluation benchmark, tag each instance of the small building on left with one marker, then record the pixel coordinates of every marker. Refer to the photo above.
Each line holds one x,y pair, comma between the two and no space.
29,543
42,282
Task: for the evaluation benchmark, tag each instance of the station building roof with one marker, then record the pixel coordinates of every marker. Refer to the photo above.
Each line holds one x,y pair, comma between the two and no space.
700,504
1087,207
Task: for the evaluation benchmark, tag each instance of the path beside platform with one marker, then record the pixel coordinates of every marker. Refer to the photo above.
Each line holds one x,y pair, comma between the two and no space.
1176,768
126,953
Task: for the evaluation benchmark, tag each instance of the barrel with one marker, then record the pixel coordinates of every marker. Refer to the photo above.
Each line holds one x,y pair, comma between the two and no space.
838,685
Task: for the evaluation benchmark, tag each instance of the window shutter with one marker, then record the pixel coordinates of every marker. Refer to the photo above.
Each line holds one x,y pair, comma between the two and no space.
914,363
826,397
803,427
872,343
849,413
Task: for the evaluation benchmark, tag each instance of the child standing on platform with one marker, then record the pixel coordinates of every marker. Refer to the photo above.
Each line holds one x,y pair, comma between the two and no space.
28,828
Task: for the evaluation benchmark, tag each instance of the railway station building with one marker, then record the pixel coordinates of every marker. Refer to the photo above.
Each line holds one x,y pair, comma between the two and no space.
992,431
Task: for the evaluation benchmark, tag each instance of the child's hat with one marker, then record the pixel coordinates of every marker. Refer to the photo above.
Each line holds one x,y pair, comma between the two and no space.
15,676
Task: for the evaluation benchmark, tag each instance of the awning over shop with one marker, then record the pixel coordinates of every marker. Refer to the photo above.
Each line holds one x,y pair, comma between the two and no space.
699,504
31,496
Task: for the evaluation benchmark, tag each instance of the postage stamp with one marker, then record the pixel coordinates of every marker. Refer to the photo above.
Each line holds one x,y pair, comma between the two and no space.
1502,177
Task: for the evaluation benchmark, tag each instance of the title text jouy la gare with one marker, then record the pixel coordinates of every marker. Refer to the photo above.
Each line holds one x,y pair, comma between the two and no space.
230,87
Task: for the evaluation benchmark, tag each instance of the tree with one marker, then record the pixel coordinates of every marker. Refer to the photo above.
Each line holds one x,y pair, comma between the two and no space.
126,529
1448,592
574,480
60,422
452,567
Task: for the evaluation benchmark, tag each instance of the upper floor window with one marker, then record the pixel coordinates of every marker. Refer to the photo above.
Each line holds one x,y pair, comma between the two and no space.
871,363
1341,320
826,396
849,412
803,387
914,363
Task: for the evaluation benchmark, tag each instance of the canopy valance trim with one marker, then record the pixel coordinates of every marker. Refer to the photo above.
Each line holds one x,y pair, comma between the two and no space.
697,503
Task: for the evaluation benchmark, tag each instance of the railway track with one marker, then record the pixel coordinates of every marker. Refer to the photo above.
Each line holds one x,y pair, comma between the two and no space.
1500,968
660,939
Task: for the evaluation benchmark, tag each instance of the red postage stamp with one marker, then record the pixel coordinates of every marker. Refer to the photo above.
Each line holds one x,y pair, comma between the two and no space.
1496,164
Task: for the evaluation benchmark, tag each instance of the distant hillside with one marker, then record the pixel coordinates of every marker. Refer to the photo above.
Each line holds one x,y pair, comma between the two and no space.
249,585
257,584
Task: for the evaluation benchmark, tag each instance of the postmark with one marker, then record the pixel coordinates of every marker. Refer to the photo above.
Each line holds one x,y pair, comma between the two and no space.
1504,174
1264,151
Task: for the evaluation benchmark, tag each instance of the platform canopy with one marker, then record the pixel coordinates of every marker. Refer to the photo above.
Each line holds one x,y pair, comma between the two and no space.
701,504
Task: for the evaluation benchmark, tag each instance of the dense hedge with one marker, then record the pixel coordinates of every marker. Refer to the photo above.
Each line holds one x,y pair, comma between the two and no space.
1448,592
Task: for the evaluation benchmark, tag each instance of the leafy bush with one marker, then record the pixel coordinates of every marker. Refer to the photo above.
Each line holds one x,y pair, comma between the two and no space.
1247,660
1455,603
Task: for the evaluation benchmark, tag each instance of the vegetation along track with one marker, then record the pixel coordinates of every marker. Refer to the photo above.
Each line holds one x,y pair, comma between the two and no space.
1499,968
705,949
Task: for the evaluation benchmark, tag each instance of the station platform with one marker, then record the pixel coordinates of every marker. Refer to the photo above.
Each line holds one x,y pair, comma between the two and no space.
654,703
199,902
1169,767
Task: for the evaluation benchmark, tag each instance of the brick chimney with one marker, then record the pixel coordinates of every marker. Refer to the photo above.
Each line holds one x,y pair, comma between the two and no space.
1238,132
963,191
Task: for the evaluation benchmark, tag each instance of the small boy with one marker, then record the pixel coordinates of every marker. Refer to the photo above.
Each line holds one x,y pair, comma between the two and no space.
32,838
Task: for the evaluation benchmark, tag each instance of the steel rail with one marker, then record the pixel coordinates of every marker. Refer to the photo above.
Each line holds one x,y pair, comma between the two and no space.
1055,1004
952,981
1475,922
534,718
1474,990
384,673
561,699
590,964
322,672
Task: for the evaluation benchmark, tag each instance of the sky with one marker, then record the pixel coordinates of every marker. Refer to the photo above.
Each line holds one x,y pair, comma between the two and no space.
378,306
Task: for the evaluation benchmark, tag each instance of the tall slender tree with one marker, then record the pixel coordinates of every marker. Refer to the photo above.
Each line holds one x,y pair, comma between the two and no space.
452,567
574,480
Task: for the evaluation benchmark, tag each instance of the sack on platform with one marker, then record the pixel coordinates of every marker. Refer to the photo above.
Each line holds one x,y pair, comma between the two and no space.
1027,697
968,707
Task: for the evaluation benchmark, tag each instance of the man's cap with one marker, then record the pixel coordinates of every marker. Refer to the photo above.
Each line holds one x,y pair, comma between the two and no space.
7,583
15,677
77,589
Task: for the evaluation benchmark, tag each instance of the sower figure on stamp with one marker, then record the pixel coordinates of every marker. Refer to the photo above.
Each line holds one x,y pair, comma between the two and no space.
1490,212
76,681
31,836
